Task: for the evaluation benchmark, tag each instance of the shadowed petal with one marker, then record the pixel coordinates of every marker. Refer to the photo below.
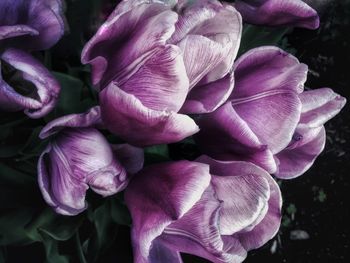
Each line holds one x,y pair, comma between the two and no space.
132,158
126,116
208,97
224,135
278,12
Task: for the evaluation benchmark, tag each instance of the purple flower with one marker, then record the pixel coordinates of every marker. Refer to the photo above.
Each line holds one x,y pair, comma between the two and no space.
152,60
278,13
27,25
78,158
215,210
268,119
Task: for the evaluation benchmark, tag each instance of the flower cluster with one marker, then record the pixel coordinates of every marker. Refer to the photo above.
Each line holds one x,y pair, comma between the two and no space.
164,71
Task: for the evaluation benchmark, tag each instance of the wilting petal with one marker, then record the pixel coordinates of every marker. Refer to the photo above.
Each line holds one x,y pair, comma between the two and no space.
159,195
301,154
267,70
132,158
244,190
160,83
127,38
38,102
224,135
126,116
278,12
268,227
208,97
76,159
319,106
91,118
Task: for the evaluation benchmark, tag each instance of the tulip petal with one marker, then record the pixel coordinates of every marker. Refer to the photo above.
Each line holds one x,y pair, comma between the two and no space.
234,140
273,118
267,70
197,232
39,102
160,83
278,12
244,190
265,95
132,158
60,189
319,106
124,115
16,30
207,98
160,253
300,155
91,118
45,17
268,227
125,38
159,195
209,25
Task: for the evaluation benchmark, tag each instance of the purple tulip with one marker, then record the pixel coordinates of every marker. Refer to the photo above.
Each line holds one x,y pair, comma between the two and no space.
149,56
27,25
278,13
78,158
268,119
215,210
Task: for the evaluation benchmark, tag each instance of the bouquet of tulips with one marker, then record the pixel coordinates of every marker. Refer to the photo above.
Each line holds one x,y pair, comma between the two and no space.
154,76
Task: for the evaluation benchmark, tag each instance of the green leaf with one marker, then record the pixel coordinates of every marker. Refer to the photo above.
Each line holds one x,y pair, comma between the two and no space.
155,154
51,250
12,226
104,235
11,176
55,226
119,212
256,36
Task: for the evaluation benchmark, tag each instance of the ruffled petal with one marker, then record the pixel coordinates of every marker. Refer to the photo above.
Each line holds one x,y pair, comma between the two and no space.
319,106
224,135
124,115
198,232
91,118
297,158
160,83
269,225
209,34
129,35
208,97
159,195
278,13
38,102
244,191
